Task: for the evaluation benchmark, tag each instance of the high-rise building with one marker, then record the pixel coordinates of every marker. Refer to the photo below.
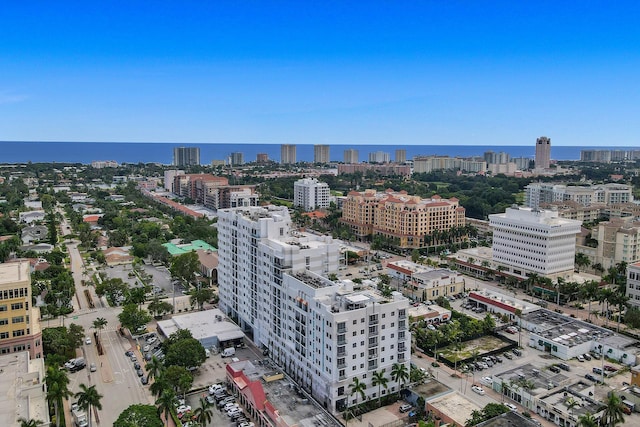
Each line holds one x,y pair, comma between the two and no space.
273,282
527,241
400,217
262,158
19,319
351,156
401,156
186,156
543,152
321,154
237,159
379,157
633,284
169,179
287,154
538,193
311,194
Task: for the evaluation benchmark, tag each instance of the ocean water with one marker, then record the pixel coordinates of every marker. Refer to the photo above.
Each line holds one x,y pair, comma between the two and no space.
153,152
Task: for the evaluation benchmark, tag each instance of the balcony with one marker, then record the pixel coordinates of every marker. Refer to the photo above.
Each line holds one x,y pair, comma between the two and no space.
373,343
342,365
342,341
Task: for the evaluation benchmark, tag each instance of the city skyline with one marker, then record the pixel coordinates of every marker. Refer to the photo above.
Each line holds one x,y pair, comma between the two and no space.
415,73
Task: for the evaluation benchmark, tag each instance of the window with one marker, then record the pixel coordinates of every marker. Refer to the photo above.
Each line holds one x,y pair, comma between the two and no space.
18,333
17,306
4,322
4,335
3,308
17,319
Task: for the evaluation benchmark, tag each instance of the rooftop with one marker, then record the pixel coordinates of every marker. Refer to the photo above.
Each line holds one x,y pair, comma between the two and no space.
508,419
203,324
508,302
12,273
21,390
188,247
455,405
541,380
560,400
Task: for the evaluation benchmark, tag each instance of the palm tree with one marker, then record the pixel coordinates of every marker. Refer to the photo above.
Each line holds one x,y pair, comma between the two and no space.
589,291
166,403
57,383
203,413
29,423
378,379
587,420
99,324
357,387
400,374
612,414
88,398
155,367
606,295
159,386
571,403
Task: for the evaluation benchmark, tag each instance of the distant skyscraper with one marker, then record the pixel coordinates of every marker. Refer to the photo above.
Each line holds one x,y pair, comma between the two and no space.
401,156
262,158
379,157
186,156
543,152
320,154
237,159
287,154
351,156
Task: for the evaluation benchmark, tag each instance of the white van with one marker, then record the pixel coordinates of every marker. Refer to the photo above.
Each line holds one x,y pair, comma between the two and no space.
228,352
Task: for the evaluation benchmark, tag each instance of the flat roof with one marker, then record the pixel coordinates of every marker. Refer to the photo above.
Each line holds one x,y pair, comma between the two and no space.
560,400
454,405
508,419
14,272
502,300
188,247
542,379
21,389
203,325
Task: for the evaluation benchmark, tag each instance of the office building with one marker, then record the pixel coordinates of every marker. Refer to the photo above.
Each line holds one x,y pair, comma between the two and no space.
236,159
543,152
538,193
19,320
527,241
186,156
311,194
351,156
273,284
287,154
23,392
407,220
401,156
379,157
321,154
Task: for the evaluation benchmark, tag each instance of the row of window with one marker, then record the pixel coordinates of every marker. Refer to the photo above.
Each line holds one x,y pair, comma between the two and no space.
16,333
14,293
17,319
15,306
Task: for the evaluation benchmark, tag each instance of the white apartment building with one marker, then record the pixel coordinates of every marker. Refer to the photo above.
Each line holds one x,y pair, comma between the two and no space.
529,241
272,282
633,284
311,194
379,157
538,192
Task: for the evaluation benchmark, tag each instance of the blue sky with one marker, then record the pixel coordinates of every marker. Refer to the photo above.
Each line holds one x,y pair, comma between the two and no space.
325,72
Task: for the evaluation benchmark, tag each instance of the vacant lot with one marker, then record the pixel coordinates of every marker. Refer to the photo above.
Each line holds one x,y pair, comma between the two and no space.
477,347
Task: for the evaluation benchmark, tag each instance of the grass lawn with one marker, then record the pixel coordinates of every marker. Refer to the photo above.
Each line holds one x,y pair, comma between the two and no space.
483,345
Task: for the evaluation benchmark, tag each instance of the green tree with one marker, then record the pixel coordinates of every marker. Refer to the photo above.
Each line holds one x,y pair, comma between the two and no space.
203,413
157,307
589,291
612,414
114,290
99,324
491,410
187,353
357,388
587,420
136,296
378,379
57,383
139,416
488,323
201,295
155,368
165,404
89,398
29,423
133,317
400,374
185,266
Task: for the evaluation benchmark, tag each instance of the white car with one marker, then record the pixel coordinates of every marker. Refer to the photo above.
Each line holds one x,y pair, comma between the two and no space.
477,389
151,340
580,358
488,381
213,388
146,348
511,406
183,408
87,340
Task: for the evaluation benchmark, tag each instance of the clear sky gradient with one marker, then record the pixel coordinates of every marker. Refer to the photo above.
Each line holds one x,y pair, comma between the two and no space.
321,72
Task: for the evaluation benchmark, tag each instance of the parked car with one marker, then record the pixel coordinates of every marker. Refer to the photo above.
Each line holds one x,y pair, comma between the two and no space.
508,356
511,406
610,368
488,381
498,359
554,369
591,377
136,366
183,408
87,340
580,358
140,372
477,389
144,380
405,408
586,356
93,367
128,353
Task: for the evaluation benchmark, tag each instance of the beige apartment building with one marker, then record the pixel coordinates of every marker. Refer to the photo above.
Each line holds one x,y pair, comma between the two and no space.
397,215
19,321
618,241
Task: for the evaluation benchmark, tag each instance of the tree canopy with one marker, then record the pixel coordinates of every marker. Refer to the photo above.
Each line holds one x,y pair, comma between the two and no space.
139,416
